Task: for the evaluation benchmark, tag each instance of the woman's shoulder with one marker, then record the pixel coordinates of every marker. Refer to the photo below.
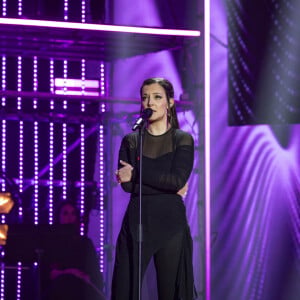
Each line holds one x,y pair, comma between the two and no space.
131,139
132,135
183,137
180,132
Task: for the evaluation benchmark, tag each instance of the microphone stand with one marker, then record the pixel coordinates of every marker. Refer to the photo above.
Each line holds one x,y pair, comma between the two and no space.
140,226
141,124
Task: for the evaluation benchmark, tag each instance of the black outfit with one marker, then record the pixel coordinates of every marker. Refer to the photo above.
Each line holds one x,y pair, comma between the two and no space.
73,252
167,165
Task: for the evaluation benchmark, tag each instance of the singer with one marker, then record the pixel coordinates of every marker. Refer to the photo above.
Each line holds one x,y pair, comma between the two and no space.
167,162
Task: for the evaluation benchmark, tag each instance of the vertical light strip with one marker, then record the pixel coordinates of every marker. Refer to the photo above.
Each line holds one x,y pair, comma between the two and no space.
82,149
21,164
3,131
4,8
51,146
3,161
19,81
35,147
36,171
64,161
207,147
83,11
2,288
82,173
101,196
66,10
21,134
82,130
101,169
3,152
35,80
65,74
21,154
20,8
19,281
51,165
3,149
64,136
102,80
52,82
83,67
3,83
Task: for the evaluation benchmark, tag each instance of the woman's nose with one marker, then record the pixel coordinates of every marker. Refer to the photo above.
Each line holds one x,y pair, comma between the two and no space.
149,102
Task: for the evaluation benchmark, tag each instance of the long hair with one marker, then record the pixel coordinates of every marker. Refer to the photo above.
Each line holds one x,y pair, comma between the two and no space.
61,205
169,90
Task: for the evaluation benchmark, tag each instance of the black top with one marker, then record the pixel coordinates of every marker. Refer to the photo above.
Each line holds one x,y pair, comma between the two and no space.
167,161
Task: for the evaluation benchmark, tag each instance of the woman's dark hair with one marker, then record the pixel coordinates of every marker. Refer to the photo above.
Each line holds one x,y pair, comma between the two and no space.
169,90
60,207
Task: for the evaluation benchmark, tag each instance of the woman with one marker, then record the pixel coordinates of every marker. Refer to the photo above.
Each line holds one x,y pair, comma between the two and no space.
168,154
73,265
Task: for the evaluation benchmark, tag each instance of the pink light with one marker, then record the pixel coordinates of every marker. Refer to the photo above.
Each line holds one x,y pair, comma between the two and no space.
207,145
66,82
67,86
76,93
99,27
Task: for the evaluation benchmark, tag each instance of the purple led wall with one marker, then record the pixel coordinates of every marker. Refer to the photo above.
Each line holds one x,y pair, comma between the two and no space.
52,149
254,195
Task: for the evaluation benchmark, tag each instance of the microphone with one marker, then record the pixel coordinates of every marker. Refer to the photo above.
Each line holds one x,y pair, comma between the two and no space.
145,115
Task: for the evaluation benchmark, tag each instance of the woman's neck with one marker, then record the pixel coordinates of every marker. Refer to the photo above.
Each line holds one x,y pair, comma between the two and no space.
158,128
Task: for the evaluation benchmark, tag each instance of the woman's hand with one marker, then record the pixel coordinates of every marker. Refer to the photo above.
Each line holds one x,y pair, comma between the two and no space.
183,191
124,174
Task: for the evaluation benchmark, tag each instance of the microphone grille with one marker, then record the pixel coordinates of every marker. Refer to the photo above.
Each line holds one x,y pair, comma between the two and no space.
147,112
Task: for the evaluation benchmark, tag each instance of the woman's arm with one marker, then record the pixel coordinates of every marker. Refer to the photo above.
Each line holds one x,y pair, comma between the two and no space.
173,180
177,177
126,173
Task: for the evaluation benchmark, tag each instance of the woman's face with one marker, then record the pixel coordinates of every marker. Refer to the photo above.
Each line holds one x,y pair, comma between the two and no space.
68,215
154,97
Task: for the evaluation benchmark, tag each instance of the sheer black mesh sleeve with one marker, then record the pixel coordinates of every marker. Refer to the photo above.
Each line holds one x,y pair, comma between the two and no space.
172,179
171,161
128,153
